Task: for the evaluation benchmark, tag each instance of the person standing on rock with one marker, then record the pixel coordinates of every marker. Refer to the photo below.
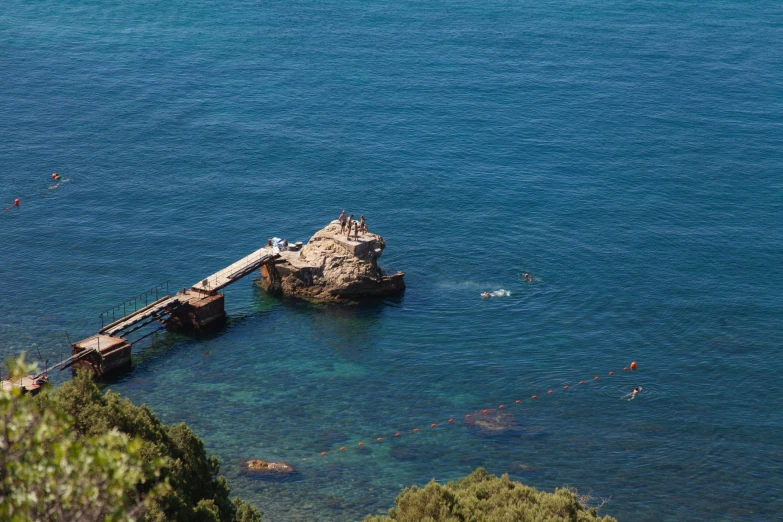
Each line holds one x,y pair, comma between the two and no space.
350,220
355,231
362,225
341,219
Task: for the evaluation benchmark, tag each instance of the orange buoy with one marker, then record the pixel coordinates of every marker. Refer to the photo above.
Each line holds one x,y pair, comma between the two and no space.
323,453
380,438
451,420
16,202
581,382
596,377
342,448
611,373
397,434
517,401
550,391
533,397
415,430
467,416
633,365
565,387
361,444
500,406
484,411
432,425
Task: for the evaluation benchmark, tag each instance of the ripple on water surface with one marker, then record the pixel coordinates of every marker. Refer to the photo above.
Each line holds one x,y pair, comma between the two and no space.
627,157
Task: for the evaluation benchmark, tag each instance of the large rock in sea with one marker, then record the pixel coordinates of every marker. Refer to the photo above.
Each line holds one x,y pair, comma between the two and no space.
331,267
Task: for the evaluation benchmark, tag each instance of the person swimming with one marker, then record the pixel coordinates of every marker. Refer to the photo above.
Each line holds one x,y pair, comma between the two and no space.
485,295
633,393
527,277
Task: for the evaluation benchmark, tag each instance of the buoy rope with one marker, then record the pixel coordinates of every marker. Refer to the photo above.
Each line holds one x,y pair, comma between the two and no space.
415,430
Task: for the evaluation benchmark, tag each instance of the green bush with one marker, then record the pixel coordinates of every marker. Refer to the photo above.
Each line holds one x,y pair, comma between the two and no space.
482,497
48,472
76,454
196,490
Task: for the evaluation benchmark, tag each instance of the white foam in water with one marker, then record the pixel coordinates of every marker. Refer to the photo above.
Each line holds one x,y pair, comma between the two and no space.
59,183
500,293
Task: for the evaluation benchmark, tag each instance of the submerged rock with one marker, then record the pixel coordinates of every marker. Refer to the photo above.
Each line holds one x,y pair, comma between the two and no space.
492,421
262,467
331,267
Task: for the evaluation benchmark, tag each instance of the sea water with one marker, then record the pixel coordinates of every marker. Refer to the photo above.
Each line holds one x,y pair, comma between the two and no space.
625,154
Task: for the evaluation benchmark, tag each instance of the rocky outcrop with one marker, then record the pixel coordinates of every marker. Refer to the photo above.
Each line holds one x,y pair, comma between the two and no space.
262,467
331,267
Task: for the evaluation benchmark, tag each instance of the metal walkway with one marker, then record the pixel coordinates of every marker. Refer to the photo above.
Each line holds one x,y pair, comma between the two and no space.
153,310
236,271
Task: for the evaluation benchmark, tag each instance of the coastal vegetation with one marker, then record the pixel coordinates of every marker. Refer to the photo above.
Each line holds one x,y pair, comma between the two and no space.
78,454
481,497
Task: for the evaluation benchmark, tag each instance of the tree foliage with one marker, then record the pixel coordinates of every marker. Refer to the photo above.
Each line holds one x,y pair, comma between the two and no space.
482,497
77,454
48,472
197,491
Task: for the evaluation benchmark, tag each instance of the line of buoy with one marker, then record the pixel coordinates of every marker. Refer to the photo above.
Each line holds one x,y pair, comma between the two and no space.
632,367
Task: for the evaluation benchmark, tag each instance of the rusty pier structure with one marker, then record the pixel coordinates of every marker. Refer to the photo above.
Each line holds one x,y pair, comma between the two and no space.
193,309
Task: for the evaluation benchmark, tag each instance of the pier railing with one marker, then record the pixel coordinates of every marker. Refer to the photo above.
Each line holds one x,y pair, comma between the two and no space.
134,303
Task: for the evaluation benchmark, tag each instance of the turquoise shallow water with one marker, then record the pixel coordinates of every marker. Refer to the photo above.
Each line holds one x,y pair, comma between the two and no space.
628,154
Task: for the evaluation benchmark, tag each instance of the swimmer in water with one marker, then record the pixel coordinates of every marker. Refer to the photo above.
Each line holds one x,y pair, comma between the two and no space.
485,295
528,278
633,393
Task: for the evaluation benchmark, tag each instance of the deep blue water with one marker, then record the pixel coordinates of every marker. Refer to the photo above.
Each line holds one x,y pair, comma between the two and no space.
627,154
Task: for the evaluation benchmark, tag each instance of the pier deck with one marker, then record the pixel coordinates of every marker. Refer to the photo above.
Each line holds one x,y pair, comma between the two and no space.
235,271
157,308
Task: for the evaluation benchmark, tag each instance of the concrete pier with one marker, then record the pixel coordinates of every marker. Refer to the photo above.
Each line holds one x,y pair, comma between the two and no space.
31,384
197,312
103,354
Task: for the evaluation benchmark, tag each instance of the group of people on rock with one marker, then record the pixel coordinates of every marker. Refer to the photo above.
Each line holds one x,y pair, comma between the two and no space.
348,224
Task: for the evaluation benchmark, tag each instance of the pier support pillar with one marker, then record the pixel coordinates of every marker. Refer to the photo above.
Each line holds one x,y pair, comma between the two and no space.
110,354
201,311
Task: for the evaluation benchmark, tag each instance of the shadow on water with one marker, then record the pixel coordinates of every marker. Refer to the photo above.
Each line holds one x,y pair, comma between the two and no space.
349,328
